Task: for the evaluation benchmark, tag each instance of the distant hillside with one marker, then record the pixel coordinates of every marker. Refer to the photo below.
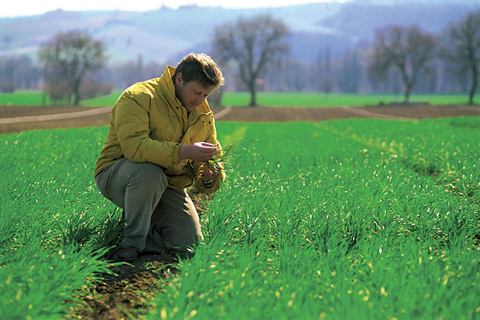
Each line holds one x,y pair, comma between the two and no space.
165,34
359,20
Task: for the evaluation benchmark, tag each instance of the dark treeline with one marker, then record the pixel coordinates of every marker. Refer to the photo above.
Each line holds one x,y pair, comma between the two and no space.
346,73
21,72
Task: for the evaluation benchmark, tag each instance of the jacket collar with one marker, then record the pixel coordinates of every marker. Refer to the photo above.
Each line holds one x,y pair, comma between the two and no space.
167,89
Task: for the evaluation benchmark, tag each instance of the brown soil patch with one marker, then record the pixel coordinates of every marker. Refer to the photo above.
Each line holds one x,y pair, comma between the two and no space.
126,295
318,114
235,114
83,121
8,112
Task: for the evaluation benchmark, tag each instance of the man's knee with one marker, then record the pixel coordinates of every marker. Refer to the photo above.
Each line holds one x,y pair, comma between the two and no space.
184,238
149,176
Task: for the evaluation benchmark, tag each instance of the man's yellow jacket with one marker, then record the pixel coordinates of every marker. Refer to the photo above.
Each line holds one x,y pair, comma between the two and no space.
149,124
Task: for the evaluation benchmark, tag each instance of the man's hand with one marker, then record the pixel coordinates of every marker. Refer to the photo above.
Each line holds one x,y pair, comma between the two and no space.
198,151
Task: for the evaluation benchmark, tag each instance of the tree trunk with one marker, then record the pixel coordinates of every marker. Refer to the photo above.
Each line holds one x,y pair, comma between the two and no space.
76,99
253,94
408,91
76,94
473,86
406,82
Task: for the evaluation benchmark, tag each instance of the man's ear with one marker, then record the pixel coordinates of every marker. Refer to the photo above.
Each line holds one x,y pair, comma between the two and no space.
178,78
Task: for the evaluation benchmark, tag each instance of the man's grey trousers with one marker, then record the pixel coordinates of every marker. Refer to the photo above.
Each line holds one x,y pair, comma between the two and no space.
157,218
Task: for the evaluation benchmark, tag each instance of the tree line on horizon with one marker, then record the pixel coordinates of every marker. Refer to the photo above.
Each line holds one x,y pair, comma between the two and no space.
255,57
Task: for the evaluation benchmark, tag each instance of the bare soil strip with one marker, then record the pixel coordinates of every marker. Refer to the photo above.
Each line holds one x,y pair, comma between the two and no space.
260,114
126,295
220,114
14,119
366,113
58,116
10,111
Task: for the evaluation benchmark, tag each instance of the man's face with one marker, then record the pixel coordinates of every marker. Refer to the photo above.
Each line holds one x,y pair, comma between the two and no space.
191,94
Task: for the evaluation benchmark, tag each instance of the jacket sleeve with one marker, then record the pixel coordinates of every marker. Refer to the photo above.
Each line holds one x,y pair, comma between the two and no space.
131,121
200,187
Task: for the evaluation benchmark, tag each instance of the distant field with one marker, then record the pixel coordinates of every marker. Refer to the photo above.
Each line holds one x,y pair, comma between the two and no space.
102,101
332,100
37,98
237,99
24,98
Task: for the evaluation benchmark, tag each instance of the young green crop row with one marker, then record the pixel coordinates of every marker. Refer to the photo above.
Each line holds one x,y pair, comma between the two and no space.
328,221
334,220
53,223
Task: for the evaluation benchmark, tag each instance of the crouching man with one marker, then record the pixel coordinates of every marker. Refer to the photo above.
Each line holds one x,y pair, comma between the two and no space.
161,136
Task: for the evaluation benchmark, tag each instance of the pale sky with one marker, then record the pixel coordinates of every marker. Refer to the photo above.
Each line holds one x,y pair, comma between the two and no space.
10,8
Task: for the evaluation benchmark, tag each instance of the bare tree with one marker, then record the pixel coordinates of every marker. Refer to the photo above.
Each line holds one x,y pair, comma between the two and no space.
408,50
68,57
325,70
461,49
350,72
253,43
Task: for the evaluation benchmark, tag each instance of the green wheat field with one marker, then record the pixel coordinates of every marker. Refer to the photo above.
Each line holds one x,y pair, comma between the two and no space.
349,219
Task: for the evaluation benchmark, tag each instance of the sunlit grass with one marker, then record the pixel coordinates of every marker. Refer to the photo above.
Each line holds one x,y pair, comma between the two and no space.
339,220
52,223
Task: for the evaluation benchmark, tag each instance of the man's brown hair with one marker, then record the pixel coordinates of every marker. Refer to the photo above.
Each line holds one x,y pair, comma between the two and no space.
200,67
